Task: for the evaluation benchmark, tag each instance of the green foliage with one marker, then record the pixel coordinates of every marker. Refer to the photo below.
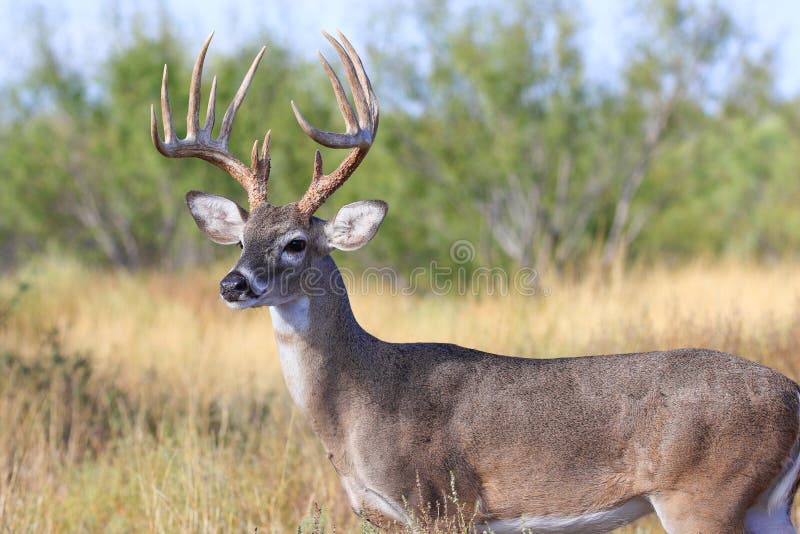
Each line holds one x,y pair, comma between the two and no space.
491,131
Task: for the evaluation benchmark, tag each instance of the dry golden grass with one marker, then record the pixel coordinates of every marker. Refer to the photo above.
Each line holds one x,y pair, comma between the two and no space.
178,420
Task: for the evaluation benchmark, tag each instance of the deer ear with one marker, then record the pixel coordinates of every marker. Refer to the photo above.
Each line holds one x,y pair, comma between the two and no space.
221,219
355,224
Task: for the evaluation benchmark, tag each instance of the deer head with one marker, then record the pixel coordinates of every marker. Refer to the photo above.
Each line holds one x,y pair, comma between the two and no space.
280,244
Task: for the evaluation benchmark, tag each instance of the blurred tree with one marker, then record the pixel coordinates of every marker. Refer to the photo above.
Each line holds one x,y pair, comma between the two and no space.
508,120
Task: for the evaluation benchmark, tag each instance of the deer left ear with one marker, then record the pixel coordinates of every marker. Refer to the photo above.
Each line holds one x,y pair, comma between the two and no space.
355,224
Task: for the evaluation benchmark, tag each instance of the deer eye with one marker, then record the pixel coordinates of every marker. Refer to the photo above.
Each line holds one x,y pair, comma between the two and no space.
295,245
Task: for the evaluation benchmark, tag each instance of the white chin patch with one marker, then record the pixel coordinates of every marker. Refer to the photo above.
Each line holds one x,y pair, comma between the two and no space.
242,304
258,302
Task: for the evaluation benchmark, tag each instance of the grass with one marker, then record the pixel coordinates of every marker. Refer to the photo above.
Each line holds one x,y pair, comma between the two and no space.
138,402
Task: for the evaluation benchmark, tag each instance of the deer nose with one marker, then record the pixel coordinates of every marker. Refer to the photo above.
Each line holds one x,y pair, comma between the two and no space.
233,286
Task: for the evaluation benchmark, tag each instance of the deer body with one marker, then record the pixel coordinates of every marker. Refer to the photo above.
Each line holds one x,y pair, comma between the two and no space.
707,440
555,445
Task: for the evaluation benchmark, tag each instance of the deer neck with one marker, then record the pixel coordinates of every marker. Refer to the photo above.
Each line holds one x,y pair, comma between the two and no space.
318,339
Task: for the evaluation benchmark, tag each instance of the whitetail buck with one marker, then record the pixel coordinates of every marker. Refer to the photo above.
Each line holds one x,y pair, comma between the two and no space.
707,440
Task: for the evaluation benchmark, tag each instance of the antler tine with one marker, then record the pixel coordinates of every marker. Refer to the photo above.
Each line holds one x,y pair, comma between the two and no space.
166,109
199,142
360,132
341,98
353,78
330,139
211,110
233,107
193,113
362,77
166,117
260,163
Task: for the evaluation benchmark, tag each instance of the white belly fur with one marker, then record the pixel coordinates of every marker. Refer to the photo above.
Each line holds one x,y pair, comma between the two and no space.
363,498
590,523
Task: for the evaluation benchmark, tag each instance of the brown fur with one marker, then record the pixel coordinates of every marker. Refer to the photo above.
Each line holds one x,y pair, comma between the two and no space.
547,437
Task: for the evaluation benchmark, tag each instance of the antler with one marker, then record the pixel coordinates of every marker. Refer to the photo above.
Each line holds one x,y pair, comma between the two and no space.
360,132
199,143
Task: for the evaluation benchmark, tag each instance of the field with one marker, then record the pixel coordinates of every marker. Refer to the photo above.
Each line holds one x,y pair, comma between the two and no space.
140,403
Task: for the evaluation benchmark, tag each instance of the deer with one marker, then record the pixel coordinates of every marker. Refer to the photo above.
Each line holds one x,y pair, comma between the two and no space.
706,440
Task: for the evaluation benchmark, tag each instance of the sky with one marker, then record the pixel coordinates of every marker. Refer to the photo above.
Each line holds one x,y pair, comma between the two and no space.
86,30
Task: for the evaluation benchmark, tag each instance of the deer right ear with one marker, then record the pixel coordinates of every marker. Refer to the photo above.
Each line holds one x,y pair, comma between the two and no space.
221,219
